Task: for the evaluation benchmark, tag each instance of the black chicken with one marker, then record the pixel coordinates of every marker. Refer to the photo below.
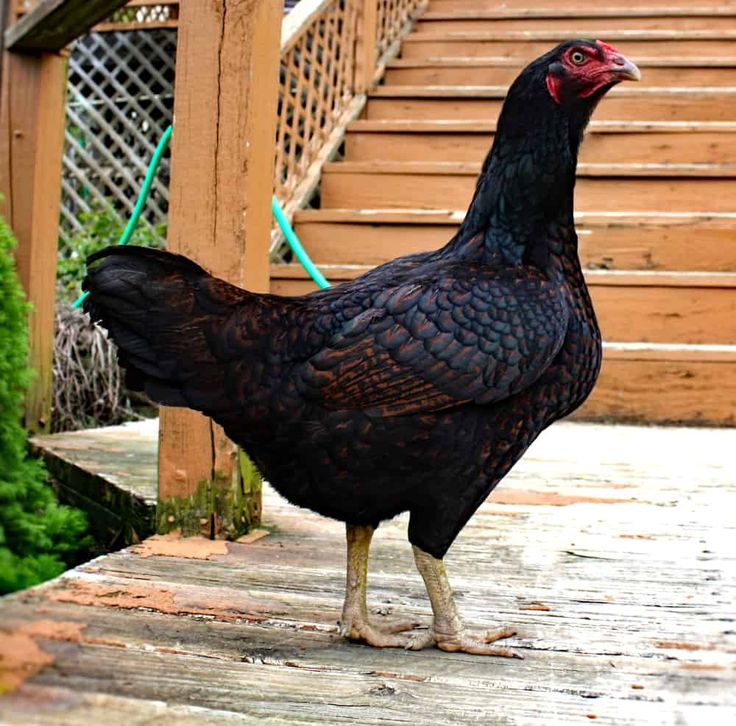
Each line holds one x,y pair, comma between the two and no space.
417,386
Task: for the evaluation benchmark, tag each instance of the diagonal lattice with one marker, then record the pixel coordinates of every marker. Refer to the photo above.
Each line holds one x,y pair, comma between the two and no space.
120,101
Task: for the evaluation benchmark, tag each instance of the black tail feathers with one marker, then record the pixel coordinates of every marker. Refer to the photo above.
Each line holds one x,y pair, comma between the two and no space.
163,311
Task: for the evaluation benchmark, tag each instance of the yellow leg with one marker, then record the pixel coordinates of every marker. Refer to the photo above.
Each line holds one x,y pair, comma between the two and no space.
354,623
448,632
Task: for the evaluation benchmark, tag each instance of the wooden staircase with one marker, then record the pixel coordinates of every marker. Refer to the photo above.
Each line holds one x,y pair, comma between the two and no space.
656,195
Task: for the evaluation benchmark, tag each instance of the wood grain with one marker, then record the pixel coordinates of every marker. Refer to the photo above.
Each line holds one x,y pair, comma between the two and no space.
52,24
221,186
450,73
32,132
686,106
346,237
622,533
642,147
350,187
527,50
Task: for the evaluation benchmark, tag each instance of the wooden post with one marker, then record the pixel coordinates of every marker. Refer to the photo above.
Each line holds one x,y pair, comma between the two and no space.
227,68
366,51
31,148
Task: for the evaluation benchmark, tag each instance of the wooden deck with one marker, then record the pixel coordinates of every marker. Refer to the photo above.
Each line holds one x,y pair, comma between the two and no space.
610,548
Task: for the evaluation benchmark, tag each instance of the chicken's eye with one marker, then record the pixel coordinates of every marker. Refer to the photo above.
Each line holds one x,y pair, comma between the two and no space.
577,57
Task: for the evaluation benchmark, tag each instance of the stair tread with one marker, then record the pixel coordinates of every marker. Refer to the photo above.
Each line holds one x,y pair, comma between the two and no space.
574,31
460,61
613,12
478,91
464,168
452,216
476,126
618,278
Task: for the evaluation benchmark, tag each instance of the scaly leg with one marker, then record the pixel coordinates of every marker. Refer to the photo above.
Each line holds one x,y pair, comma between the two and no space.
448,632
354,623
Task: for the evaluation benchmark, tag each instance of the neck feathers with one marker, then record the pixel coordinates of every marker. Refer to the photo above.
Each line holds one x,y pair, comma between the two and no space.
522,209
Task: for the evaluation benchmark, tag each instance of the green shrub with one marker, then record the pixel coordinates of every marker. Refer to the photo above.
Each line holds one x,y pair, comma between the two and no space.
37,534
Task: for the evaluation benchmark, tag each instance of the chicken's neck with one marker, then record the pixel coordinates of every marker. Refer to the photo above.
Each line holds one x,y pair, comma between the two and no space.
522,210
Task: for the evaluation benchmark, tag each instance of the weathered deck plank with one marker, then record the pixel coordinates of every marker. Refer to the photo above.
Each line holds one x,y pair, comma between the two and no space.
610,548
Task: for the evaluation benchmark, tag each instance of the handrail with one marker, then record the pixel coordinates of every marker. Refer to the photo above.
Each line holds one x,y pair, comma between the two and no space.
298,20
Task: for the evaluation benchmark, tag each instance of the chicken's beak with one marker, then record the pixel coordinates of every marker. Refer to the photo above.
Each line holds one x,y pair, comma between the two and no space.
622,69
619,66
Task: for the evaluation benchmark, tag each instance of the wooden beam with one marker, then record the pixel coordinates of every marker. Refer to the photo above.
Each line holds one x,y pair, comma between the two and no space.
221,186
53,24
31,147
366,55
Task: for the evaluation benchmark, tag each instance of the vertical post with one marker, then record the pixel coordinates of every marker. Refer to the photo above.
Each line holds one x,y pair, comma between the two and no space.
31,151
366,51
227,66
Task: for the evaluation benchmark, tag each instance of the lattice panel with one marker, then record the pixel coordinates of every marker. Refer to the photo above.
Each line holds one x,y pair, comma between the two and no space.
315,88
393,15
120,101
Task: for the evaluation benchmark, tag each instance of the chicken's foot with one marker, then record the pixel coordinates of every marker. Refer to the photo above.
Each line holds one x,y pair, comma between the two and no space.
355,624
448,631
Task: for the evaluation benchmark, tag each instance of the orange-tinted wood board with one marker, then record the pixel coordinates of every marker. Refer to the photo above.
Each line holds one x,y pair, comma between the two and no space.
695,392
453,191
568,26
703,106
418,47
644,147
679,245
580,8
441,74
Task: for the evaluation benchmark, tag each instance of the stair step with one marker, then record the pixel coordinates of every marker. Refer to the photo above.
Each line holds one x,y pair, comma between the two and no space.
646,242
631,306
416,185
599,146
665,383
575,8
463,168
554,35
483,71
484,102
613,13
424,45
489,126
594,27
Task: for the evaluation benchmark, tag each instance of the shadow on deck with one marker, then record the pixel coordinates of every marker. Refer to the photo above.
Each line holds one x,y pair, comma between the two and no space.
610,548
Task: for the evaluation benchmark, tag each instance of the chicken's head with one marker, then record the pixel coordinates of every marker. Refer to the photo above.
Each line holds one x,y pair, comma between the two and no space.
587,69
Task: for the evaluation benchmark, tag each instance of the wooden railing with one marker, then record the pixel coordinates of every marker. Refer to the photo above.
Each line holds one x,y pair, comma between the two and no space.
393,17
332,51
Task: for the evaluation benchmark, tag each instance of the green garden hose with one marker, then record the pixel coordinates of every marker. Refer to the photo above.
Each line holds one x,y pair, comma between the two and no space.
278,214
296,245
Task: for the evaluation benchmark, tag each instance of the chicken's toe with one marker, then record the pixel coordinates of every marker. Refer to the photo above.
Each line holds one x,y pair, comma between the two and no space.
362,632
462,641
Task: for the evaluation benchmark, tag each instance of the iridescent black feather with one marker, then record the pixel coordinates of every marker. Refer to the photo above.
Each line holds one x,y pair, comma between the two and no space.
415,387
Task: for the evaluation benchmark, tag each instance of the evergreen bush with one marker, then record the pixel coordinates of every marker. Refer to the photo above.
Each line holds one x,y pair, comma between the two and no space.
38,536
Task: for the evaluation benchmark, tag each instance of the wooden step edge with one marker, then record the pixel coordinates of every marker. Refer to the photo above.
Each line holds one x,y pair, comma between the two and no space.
585,220
623,278
472,168
637,278
478,91
490,61
379,216
460,61
576,31
683,352
486,127
614,11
